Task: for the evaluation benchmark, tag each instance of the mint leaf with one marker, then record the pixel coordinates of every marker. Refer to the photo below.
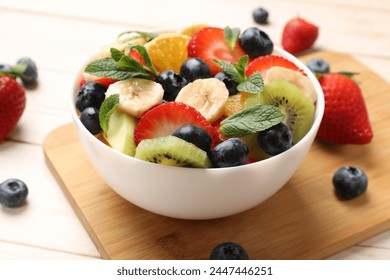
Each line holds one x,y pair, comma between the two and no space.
116,54
147,36
251,120
145,56
231,36
108,106
106,67
253,84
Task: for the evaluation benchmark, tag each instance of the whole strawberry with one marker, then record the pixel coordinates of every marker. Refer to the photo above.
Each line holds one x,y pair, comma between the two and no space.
345,119
12,104
299,35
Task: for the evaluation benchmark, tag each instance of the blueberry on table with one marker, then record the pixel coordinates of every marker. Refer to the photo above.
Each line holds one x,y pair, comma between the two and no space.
91,94
30,75
228,81
275,139
90,119
260,15
13,192
229,153
195,68
318,65
256,42
195,135
172,83
229,251
350,181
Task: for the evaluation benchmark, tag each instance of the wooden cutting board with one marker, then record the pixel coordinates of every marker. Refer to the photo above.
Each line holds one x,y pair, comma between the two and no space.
304,220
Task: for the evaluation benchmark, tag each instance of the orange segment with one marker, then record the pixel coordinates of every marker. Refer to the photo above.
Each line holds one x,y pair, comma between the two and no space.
192,29
168,51
235,103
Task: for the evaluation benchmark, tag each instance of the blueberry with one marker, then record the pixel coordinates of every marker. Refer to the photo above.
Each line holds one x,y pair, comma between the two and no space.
256,42
229,83
172,83
231,152
5,68
318,65
30,76
229,251
195,68
91,94
260,15
13,192
350,181
275,139
195,135
90,119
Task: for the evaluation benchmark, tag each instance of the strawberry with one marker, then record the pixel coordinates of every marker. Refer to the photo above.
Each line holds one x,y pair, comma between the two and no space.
299,35
263,63
12,104
209,43
345,118
164,119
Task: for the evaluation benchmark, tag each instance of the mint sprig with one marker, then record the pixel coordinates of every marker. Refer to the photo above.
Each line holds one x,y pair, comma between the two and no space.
121,66
147,36
251,120
236,71
231,36
108,106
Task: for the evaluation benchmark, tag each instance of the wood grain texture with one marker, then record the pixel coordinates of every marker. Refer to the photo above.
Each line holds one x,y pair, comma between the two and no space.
304,220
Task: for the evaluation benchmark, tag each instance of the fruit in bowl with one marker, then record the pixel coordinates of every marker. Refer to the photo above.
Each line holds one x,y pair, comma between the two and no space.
196,127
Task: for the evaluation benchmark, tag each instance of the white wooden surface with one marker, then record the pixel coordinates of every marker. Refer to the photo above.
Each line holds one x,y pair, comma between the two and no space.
59,35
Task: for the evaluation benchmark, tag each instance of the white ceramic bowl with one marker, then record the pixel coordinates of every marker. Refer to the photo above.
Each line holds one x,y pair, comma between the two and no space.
187,193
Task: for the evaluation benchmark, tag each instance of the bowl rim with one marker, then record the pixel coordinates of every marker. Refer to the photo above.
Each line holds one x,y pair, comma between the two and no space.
318,114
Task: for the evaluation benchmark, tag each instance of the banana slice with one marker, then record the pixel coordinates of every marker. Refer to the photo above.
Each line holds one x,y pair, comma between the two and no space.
136,96
208,96
294,77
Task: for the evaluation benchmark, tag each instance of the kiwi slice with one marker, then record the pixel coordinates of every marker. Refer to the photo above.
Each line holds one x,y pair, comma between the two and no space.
120,132
297,108
255,151
173,151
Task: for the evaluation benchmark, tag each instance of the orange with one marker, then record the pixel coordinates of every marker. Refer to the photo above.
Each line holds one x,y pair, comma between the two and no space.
235,103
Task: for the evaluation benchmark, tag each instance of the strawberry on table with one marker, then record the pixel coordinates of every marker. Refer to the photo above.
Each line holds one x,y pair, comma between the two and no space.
12,104
209,43
299,35
263,63
345,119
164,119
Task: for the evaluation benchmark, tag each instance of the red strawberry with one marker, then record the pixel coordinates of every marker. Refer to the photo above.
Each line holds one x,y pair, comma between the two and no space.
208,44
12,104
299,35
164,119
345,118
263,63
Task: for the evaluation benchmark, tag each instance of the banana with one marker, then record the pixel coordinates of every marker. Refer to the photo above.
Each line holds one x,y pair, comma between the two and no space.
294,77
136,95
208,96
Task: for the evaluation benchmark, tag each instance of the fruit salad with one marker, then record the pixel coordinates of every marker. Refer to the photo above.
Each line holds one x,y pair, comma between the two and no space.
201,97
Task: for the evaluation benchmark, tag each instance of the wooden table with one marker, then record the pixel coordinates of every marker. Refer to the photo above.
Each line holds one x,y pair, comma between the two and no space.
59,36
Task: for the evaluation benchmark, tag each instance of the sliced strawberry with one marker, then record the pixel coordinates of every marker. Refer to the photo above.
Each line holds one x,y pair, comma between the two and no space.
208,44
104,81
134,54
263,63
164,119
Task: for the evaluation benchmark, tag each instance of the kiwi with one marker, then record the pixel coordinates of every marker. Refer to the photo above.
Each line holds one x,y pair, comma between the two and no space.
255,151
297,108
173,151
120,132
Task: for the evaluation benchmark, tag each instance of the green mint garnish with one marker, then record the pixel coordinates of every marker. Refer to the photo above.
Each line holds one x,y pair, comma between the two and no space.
251,120
231,36
121,66
147,36
108,106
252,84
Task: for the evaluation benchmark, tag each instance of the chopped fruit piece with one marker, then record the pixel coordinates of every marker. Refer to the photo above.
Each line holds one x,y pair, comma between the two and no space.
263,63
299,35
192,29
164,119
345,119
209,43
173,151
136,95
208,96
230,84
294,77
90,119
229,153
350,182
195,135
195,68
91,94
275,139
256,42
235,103
168,51
172,83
